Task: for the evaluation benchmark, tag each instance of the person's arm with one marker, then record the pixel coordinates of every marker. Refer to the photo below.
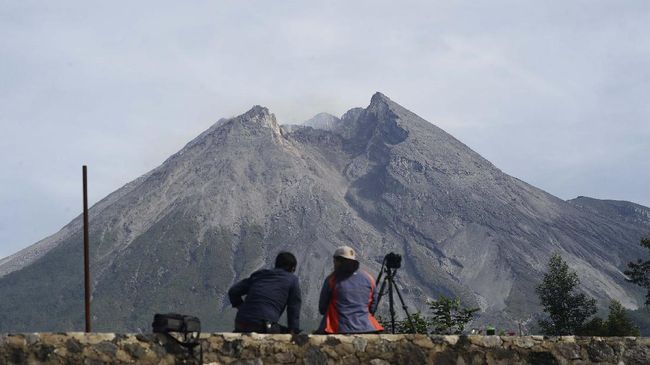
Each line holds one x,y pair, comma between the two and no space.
293,306
238,290
325,294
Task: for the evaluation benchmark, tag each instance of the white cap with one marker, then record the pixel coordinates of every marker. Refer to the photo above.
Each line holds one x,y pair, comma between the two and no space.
346,252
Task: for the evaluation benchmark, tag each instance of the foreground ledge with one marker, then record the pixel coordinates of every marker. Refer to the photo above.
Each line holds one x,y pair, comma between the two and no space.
230,348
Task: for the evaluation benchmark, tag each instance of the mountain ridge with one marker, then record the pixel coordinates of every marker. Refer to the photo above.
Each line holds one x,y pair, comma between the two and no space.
381,179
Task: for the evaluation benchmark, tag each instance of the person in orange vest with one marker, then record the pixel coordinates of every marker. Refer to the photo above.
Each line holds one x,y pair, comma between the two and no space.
348,298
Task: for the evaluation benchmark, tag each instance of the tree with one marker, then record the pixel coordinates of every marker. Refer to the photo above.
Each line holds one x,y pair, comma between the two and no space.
639,272
641,318
449,316
595,327
619,323
566,308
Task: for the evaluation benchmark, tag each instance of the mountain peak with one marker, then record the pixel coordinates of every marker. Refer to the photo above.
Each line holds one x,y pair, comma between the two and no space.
378,97
260,115
382,103
324,121
257,111
324,116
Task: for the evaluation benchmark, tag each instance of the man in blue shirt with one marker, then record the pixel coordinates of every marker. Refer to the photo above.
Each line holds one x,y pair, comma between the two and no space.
267,293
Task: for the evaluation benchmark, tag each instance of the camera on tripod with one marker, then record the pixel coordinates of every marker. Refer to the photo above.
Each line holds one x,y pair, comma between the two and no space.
393,260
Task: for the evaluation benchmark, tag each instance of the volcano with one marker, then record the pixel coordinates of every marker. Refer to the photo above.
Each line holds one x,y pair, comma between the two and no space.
379,179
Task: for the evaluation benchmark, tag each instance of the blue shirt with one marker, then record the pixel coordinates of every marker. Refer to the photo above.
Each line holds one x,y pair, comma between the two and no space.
267,293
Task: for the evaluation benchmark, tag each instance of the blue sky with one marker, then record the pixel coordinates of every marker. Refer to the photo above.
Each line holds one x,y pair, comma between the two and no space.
555,93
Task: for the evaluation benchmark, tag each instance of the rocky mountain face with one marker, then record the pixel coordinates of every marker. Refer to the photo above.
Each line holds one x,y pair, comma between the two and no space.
379,179
622,211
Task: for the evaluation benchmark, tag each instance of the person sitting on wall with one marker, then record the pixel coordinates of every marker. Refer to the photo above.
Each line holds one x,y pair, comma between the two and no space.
267,293
348,298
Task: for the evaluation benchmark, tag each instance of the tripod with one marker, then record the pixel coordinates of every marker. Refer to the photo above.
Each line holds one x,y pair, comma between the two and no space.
390,279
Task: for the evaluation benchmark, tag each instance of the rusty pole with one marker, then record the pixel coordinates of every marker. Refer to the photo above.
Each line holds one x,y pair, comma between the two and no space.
86,250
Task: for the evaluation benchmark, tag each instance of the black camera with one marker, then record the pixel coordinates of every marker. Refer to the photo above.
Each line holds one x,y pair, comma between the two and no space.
393,260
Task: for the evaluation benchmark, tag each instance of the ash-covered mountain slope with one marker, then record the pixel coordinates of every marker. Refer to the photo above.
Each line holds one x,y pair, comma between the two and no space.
619,210
379,179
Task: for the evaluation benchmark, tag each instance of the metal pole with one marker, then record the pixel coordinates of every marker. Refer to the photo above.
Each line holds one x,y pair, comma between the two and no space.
86,250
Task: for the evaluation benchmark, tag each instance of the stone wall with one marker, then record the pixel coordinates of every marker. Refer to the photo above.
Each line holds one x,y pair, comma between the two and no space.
227,348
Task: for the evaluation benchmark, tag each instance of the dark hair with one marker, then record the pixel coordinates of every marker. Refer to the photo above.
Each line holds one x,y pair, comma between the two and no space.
286,261
345,268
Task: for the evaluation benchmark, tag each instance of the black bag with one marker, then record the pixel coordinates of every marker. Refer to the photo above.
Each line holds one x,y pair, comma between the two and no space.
174,324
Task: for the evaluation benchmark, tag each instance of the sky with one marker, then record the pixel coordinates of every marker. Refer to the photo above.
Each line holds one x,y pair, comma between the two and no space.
556,93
